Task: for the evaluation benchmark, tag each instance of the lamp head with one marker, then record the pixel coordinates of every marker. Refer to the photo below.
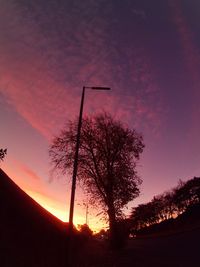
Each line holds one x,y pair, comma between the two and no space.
99,88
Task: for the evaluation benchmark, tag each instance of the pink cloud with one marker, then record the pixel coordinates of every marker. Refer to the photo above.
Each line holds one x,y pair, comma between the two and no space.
43,79
190,51
26,178
191,58
31,173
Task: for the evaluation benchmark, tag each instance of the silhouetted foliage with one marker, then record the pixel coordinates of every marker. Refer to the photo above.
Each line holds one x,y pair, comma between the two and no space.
167,205
85,230
108,155
3,153
101,235
187,194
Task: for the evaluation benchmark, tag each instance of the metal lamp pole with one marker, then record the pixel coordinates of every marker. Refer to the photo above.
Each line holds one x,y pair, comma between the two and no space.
75,167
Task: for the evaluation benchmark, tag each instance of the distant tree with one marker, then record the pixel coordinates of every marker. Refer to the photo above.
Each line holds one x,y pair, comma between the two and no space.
108,155
194,190
101,235
85,230
187,194
160,208
140,216
169,207
3,153
179,198
165,206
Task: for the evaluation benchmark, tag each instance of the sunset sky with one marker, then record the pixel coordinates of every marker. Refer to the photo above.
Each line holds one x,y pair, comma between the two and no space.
148,52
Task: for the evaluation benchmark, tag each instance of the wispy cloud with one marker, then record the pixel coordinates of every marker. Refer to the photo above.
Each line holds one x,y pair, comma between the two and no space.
28,179
30,173
45,62
191,57
190,51
139,12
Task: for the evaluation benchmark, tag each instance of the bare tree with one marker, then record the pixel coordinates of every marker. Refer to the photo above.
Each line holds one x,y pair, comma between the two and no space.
3,153
108,155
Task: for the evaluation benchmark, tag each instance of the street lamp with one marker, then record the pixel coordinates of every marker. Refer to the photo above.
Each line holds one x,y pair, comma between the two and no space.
75,167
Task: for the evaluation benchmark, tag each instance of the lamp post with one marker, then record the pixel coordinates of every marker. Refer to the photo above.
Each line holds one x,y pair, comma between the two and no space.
75,167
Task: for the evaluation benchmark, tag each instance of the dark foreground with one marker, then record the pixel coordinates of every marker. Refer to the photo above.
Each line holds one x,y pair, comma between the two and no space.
31,237
181,250
178,250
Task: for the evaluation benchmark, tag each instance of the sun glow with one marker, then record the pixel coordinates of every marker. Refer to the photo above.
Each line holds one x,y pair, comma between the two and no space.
57,210
55,207
48,204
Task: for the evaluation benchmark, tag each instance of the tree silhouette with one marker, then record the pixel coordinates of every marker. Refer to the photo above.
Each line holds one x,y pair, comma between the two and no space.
167,205
3,153
108,155
187,194
85,230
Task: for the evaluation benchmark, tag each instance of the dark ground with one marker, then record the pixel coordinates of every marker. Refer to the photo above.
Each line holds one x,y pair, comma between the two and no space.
32,237
178,250
29,235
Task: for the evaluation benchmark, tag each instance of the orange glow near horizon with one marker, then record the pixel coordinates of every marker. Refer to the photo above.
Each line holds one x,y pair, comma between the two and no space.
55,207
50,206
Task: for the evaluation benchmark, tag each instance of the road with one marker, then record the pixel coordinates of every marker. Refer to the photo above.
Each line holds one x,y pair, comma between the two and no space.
178,250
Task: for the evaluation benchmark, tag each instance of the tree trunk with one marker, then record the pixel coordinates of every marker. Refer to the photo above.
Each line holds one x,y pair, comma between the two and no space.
113,225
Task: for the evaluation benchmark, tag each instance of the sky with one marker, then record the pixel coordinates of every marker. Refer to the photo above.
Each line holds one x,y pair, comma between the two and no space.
148,52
